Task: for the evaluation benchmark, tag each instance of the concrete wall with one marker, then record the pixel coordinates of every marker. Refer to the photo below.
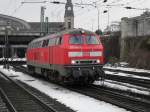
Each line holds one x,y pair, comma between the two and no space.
128,27
143,26
137,26
132,28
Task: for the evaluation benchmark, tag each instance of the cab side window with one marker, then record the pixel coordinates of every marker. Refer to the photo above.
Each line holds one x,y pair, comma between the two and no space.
52,41
58,40
45,43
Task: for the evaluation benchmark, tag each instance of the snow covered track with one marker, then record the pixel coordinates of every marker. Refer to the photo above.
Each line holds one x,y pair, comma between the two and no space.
143,74
114,97
121,99
23,100
14,62
131,80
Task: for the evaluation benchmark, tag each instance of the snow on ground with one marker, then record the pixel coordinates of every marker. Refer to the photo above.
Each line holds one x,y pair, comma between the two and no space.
127,69
127,75
14,59
24,65
124,86
76,101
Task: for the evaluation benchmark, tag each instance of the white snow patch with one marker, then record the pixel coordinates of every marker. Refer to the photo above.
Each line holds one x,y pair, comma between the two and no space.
14,59
24,65
127,69
127,75
124,86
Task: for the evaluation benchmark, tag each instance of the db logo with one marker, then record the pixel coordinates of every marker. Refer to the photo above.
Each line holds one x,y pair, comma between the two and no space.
86,54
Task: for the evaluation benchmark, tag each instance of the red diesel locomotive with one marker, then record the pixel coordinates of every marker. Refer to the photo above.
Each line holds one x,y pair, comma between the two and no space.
72,56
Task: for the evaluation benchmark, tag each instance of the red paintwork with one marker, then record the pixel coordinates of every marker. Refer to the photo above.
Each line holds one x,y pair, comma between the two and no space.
58,54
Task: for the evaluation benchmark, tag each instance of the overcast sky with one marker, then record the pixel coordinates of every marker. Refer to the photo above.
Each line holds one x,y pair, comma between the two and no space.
84,17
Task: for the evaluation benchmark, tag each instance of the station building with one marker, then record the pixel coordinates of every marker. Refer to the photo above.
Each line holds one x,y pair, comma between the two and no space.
21,32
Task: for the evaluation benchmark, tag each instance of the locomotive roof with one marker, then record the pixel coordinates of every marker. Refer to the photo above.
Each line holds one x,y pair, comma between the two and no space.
76,31
71,31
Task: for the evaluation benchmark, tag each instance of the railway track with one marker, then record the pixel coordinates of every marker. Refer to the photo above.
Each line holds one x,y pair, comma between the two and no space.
13,62
130,101
138,96
124,100
20,99
135,81
3,103
124,85
127,79
143,74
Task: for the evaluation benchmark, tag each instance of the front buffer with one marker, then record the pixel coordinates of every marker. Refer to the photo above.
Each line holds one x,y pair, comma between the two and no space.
82,74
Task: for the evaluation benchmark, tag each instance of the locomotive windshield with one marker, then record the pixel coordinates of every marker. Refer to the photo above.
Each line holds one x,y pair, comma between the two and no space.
91,39
76,40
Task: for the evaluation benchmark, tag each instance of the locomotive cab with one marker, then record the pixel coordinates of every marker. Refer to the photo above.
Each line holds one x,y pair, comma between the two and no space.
84,57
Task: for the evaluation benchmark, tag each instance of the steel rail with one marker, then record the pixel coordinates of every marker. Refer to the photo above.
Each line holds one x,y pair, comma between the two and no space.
7,101
45,106
144,74
114,98
131,80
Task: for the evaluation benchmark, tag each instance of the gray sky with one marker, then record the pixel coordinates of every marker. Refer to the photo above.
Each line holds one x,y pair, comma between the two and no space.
84,17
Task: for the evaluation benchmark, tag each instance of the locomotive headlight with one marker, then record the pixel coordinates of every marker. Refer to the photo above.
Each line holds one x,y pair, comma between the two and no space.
73,62
98,61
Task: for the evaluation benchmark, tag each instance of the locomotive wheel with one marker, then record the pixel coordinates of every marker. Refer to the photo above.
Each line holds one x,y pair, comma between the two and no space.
52,76
49,76
45,73
31,69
